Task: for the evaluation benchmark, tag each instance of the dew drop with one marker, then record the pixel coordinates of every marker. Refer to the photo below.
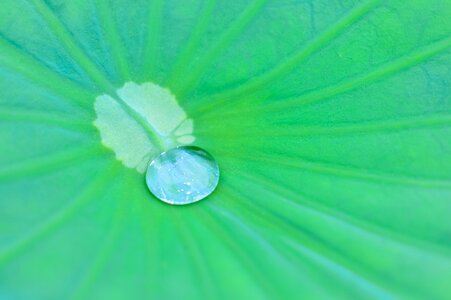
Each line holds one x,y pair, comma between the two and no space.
182,175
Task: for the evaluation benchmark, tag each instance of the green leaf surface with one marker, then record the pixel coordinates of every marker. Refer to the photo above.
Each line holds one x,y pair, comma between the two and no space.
330,120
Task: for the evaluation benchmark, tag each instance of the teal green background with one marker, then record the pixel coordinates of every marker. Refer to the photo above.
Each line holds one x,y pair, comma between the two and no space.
330,121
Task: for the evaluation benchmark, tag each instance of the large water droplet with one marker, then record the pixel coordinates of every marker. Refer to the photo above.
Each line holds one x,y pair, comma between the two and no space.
183,175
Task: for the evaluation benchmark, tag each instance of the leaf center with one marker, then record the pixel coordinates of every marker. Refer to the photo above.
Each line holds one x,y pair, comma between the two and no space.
140,121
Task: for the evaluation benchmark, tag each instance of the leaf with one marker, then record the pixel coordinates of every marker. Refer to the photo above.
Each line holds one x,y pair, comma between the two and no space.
330,121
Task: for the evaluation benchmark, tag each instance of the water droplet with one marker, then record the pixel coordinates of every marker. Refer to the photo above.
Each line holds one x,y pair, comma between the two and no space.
182,175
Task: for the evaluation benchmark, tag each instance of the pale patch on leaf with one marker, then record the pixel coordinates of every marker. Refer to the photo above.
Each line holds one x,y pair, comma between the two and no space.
122,133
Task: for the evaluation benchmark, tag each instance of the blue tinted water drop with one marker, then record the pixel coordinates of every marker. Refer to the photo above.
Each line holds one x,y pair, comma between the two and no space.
182,175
